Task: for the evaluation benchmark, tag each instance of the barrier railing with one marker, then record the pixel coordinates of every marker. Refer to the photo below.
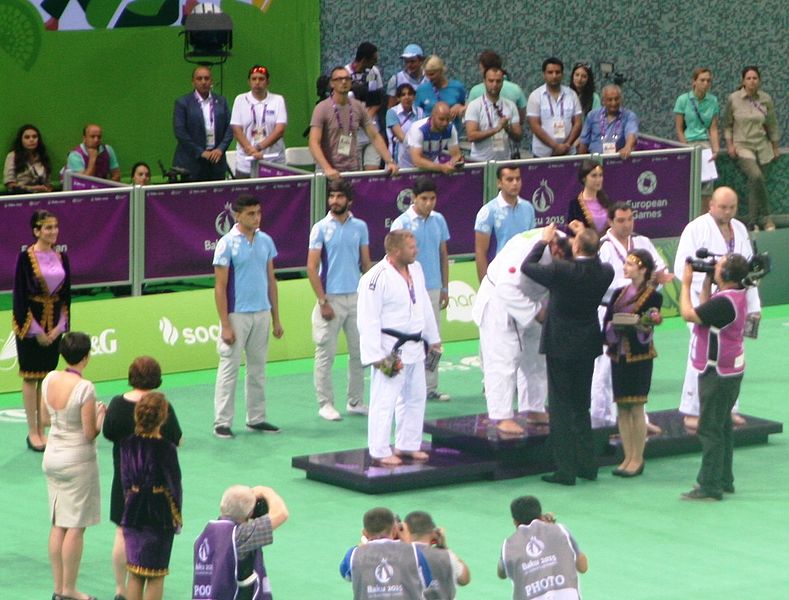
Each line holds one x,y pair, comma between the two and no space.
95,230
168,232
80,181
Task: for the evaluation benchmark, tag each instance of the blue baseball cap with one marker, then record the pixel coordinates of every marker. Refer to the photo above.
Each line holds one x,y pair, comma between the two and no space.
412,51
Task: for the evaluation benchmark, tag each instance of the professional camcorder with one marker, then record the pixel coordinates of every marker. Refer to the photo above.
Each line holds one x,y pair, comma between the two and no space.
759,265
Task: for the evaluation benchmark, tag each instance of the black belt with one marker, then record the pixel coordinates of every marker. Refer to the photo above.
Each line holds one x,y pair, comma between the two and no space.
402,338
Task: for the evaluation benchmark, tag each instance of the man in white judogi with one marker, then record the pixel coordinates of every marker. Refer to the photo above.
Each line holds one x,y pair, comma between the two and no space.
506,311
394,316
720,233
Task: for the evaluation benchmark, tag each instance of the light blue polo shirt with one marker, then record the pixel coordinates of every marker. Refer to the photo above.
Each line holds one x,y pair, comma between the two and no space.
504,221
247,282
340,259
429,234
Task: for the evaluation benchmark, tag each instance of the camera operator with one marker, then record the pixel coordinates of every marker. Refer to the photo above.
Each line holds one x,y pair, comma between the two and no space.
718,356
228,556
447,569
720,233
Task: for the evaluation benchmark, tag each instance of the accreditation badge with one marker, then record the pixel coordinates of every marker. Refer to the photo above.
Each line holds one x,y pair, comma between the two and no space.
559,132
210,139
500,143
609,147
344,144
258,135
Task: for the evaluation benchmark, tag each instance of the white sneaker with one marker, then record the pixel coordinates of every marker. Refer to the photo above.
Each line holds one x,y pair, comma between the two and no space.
328,412
356,409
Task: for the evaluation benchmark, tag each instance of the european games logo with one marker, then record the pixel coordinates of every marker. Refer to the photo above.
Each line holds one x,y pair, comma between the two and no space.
384,571
204,551
404,199
647,182
543,197
224,220
534,547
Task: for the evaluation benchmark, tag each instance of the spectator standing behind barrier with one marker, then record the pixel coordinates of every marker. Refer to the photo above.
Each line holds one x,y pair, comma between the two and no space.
258,122
41,314
696,120
92,157
445,566
590,207
400,117
367,86
383,557
140,174
492,123
201,122
610,129
395,323
751,130
70,463
541,558
631,350
228,555
247,302
334,129
720,233
582,83
489,59
718,355
151,478
439,88
504,216
339,252
27,167
431,232
145,375
554,113
413,56
432,143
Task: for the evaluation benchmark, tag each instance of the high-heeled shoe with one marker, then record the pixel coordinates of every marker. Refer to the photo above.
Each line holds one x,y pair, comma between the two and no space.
34,448
635,473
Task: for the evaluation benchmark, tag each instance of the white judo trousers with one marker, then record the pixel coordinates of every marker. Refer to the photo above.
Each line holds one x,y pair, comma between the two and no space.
402,397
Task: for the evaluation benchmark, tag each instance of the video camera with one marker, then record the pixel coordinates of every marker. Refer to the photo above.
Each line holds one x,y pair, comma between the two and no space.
759,265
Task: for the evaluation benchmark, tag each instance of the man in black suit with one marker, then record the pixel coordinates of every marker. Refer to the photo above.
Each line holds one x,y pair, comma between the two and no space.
201,121
571,340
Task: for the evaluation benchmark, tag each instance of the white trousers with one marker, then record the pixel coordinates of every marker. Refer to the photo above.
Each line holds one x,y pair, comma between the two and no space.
252,330
325,335
508,350
402,397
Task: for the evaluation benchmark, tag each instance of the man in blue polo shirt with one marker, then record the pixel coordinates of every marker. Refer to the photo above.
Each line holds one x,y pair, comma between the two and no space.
504,216
245,293
610,129
431,232
338,254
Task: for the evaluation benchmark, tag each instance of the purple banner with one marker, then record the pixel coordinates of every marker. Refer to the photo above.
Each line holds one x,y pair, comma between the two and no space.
647,143
81,182
658,188
94,230
273,170
183,225
380,199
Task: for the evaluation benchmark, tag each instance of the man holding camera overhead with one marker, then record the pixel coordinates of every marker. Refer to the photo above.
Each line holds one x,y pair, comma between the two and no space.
719,233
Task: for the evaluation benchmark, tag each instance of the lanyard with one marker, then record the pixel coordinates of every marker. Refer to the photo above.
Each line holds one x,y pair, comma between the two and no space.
408,116
337,116
559,103
255,117
695,105
495,105
210,100
604,125
758,106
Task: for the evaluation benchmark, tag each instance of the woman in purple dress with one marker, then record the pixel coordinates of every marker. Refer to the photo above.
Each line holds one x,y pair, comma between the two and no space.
145,374
151,480
628,324
42,299
591,205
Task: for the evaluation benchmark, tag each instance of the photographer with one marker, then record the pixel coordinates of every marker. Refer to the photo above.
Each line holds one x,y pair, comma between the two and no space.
718,356
228,556
446,568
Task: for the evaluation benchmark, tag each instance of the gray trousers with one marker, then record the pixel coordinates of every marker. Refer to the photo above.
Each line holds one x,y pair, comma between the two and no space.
252,330
325,334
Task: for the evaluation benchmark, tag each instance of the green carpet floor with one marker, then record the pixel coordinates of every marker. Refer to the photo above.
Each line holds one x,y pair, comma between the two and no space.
642,541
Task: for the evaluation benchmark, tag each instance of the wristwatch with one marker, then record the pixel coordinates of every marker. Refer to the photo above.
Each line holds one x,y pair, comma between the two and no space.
323,301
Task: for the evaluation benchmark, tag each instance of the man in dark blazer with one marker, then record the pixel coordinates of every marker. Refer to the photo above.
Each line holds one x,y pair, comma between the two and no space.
571,340
201,122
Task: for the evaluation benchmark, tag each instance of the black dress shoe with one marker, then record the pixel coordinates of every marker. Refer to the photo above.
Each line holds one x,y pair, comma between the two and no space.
588,475
618,472
263,426
554,478
33,447
635,473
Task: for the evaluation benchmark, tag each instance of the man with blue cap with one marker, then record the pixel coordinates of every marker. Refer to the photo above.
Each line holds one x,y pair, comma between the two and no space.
413,56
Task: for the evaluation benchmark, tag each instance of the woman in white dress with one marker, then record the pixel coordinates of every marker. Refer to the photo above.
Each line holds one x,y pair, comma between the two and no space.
70,462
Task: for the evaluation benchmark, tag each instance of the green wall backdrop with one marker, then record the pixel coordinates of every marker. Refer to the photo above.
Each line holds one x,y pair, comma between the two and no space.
127,79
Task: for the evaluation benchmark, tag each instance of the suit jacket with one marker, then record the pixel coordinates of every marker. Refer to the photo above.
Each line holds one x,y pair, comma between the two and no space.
572,329
189,128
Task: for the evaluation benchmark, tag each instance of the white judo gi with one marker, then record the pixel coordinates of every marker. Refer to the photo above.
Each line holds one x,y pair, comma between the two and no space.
504,310
385,302
703,232
614,253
